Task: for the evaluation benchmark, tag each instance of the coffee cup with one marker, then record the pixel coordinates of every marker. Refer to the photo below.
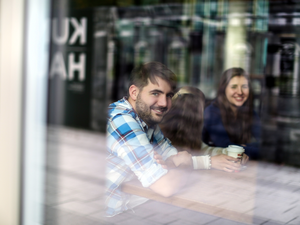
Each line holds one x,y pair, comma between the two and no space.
235,151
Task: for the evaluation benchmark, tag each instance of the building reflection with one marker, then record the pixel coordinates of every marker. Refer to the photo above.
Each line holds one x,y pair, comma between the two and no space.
197,40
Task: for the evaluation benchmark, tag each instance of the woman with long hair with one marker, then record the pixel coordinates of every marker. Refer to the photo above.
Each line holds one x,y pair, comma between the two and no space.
183,124
230,118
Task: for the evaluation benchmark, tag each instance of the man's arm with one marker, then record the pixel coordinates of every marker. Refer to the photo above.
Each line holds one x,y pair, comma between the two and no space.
177,177
130,143
172,182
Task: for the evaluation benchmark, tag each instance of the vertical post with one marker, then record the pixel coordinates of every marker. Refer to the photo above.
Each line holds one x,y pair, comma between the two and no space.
237,49
11,71
35,75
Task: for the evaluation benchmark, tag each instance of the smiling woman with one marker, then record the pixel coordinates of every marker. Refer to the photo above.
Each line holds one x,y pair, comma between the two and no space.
230,118
237,92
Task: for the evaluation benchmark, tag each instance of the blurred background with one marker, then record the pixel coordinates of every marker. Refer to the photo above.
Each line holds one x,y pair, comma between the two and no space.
64,61
95,46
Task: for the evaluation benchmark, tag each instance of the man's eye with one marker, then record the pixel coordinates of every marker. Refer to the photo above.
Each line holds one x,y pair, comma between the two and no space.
155,94
170,95
245,86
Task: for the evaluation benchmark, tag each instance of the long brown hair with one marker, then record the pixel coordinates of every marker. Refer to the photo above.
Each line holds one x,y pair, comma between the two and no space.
239,127
184,122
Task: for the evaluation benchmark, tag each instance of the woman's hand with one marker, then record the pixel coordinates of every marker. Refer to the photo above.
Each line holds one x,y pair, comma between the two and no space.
245,159
183,159
225,163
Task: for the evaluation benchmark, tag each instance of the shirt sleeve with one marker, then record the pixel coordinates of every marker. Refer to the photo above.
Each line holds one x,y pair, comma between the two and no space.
164,145
212,151
201,162
128,141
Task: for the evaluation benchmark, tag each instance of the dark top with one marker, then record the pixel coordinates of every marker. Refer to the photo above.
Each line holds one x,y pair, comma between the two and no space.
215,134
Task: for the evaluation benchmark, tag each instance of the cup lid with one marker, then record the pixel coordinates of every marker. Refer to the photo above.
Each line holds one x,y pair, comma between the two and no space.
235,148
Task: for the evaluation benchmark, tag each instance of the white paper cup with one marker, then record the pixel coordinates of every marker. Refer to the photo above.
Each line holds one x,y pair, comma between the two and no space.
235,151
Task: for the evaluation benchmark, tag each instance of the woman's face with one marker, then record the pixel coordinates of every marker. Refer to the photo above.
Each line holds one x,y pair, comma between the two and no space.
237,91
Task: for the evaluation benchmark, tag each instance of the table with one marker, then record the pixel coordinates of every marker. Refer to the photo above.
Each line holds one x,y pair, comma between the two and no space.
214,192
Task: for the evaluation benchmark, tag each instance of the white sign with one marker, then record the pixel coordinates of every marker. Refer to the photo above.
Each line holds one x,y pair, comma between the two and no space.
60,36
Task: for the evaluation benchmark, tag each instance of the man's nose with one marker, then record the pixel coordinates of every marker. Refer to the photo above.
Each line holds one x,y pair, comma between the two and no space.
162,101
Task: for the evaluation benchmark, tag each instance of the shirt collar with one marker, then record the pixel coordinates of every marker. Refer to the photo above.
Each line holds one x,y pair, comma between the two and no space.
144,125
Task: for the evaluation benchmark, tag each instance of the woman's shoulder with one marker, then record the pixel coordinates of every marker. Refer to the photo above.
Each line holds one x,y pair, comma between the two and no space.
211,113
255,114
212,108
256,119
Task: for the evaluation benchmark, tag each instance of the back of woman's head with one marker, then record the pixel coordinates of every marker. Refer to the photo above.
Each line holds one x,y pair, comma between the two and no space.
183,123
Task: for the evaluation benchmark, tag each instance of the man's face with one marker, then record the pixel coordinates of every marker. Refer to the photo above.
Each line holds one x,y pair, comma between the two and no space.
154,101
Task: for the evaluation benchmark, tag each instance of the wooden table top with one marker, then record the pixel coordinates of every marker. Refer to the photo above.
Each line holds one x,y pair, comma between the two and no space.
214,192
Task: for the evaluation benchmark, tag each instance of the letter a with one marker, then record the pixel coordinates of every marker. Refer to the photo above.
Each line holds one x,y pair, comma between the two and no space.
58,66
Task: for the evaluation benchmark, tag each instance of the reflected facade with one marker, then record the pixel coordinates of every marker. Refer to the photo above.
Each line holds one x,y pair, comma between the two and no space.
95,48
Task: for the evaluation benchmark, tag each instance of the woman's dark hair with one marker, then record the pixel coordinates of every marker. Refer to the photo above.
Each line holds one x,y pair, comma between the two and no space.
239,127
183,123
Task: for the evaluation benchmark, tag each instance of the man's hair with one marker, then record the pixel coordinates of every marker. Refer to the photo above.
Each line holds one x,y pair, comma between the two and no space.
239,130
184,122
140,75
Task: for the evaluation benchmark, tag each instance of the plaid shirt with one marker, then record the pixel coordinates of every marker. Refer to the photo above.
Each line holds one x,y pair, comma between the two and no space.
131,145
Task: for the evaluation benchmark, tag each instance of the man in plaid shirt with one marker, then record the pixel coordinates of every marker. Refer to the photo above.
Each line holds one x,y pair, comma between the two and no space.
133,136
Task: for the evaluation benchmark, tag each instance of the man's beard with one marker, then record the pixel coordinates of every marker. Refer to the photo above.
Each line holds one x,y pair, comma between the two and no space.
144,112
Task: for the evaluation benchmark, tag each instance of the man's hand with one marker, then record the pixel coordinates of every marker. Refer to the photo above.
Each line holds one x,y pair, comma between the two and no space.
183,159
226,163
168,164
177,176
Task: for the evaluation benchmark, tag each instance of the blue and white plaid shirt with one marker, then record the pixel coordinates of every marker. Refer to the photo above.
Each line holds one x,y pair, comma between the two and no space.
131,145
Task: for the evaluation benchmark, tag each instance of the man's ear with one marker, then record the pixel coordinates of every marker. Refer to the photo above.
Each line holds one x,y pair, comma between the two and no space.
133,92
